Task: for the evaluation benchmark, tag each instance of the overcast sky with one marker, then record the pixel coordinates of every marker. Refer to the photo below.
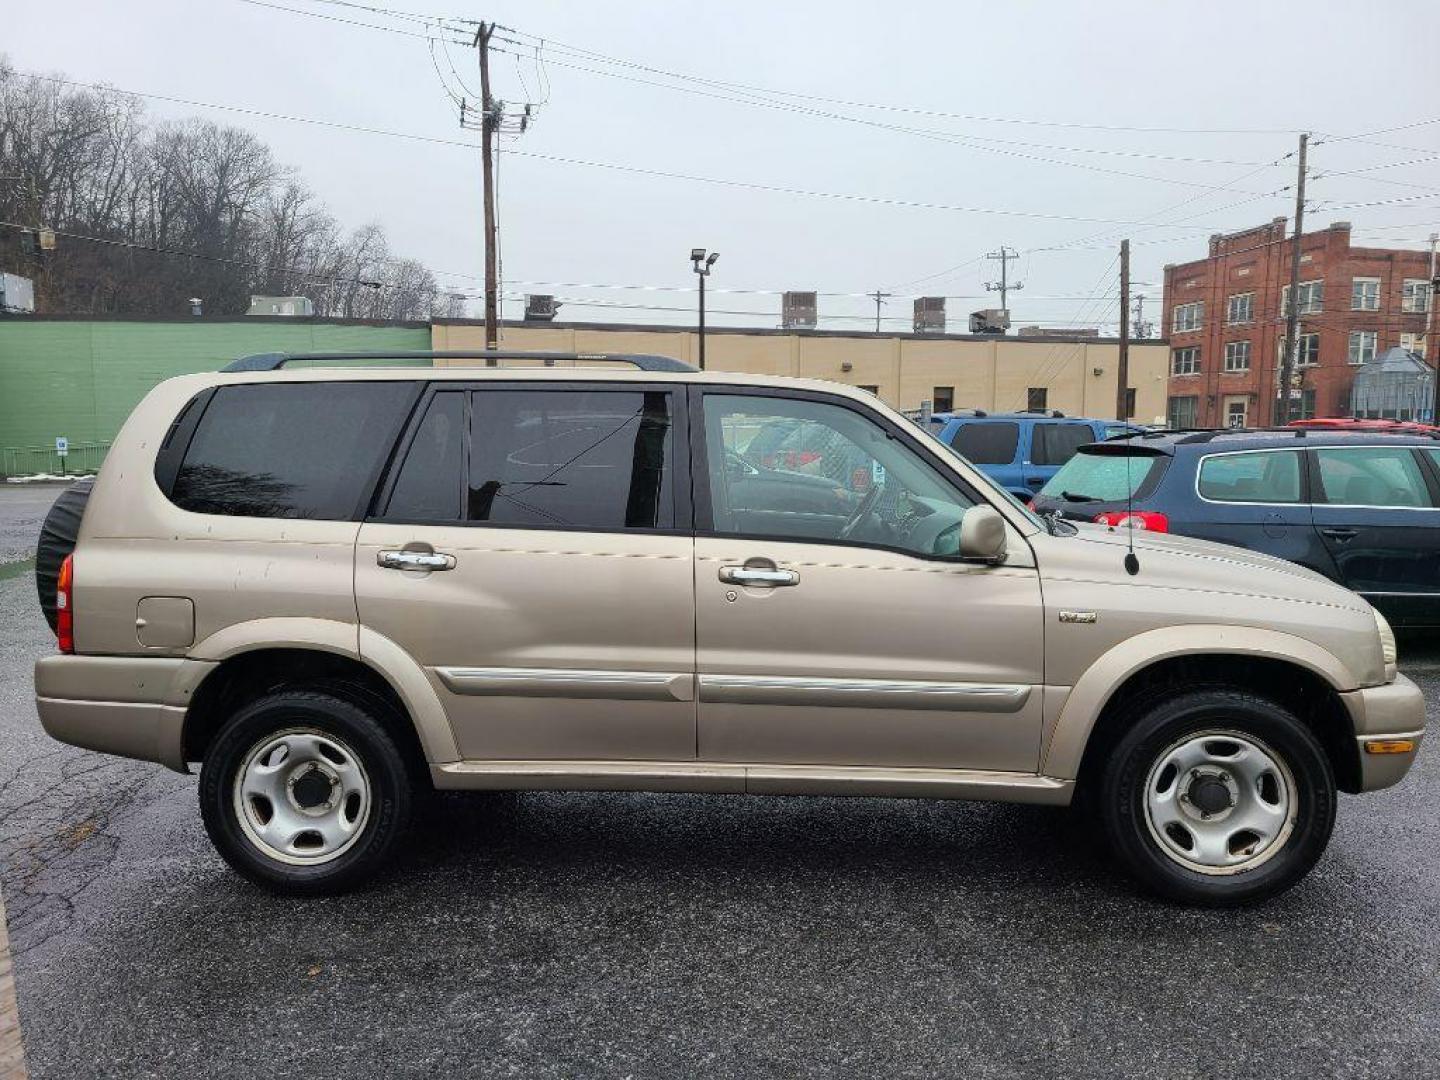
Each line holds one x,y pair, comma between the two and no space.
1228,84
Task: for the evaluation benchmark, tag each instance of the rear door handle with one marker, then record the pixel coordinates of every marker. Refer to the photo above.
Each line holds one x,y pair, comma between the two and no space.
415,560
1035,481
1340,534
754,575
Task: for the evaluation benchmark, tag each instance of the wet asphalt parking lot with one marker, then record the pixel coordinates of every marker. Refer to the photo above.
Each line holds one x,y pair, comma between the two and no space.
673,935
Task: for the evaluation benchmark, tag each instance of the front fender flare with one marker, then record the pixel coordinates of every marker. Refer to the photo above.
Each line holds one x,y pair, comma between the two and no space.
1065,746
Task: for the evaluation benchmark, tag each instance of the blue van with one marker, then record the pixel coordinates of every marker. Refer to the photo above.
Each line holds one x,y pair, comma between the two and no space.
1022,450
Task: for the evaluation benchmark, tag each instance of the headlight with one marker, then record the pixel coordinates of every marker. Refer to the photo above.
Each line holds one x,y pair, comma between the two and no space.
1387,647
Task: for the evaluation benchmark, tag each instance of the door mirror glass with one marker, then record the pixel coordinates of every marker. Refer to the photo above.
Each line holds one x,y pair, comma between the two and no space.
982,535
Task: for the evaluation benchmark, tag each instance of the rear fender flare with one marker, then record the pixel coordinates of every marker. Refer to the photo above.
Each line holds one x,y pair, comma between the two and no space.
379,653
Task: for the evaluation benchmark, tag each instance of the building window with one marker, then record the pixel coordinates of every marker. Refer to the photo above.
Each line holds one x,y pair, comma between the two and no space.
1235,411
1035,399
1237,356
1188,316
943,399
1129,403
1307,352
1240,308
1365,294
1185,361
1415,295
1413,343
1183,412
1312,298
1362,345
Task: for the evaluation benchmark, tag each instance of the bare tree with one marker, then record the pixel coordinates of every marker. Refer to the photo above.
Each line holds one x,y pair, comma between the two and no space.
176,210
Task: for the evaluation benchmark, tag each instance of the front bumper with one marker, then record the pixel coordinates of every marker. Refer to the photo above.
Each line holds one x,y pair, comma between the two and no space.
1393,711
133,706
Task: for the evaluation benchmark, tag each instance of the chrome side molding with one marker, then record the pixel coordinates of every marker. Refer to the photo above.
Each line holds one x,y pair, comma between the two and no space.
569,683
862,693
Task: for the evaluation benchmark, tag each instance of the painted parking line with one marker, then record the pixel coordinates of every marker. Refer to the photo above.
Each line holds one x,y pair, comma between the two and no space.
12,1049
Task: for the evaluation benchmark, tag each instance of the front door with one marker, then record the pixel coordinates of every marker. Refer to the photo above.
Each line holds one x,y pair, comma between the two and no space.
1376,511
532,551
848,632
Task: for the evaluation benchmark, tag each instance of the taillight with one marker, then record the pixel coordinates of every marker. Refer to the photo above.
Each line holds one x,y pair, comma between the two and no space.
64,605
1147,520
1029,504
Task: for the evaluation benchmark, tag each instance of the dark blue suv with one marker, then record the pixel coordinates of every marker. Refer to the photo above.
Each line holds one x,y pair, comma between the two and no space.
1021,450
1361,508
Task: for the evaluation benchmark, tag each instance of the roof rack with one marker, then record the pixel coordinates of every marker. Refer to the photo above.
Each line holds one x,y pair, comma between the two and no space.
276,361
1055,414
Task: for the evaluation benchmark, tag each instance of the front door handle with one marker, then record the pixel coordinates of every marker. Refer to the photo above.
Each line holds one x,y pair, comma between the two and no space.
756,575
1035,481
415,560
1340,534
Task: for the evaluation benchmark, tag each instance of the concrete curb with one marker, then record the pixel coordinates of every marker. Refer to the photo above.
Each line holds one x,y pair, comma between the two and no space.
12,1047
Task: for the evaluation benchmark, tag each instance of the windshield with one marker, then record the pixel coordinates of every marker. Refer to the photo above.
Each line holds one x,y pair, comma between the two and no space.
998,492
1102,477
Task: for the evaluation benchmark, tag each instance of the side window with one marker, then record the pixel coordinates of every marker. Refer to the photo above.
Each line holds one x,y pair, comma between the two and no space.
1055,444
594,459
1370,476
854,483
428,485
987,444
1271,476
290,450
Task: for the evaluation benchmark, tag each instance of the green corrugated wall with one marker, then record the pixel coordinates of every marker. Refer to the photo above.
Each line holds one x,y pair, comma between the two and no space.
81,378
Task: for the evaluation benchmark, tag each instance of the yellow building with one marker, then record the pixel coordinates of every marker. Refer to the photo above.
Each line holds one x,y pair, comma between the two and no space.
1076,375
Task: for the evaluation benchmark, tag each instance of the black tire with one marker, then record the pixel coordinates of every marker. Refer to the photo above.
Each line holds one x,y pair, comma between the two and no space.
1161,725
390,786
57,540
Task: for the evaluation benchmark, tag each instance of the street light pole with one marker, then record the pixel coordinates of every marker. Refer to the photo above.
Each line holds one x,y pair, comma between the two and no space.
701,264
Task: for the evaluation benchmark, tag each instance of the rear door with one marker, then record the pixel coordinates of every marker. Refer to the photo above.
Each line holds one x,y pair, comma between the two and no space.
1052,444
1376,512
993,445
532,551
1254,499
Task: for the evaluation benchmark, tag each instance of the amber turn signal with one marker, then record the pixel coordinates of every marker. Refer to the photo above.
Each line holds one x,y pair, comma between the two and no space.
1389,746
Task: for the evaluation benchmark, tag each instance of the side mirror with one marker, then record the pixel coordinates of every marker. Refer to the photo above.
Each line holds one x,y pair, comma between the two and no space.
982,534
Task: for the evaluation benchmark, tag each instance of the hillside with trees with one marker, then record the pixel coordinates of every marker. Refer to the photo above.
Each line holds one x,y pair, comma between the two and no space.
148,214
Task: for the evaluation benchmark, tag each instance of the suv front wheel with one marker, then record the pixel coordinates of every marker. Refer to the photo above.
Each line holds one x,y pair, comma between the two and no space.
304,793
1218,798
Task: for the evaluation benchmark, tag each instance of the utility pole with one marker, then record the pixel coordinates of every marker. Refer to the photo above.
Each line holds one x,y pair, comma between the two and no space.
1003,286
1122,370
1292,321
487,148
881,297
1431,352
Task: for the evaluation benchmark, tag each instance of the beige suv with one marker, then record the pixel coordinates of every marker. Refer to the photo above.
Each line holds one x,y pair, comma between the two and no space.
341,585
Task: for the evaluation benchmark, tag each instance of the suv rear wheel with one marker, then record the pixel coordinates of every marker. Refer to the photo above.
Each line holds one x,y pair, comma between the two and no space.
1218,798
304,793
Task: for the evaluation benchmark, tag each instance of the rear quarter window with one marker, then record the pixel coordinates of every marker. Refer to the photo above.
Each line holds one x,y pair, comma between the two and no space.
987,444
290,450
1256,476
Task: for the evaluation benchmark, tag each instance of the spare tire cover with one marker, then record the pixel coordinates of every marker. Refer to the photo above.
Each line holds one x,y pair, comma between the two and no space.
57,540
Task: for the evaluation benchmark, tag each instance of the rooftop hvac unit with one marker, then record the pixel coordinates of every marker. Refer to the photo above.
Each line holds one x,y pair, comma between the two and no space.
930,315
540,308
798,311
989,321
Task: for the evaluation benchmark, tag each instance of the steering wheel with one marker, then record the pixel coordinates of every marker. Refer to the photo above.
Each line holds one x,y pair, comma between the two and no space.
862,512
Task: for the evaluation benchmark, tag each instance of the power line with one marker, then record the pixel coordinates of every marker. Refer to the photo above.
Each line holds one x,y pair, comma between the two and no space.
615,166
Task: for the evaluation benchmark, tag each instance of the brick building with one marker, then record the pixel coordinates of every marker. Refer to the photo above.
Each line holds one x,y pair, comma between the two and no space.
1225,316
